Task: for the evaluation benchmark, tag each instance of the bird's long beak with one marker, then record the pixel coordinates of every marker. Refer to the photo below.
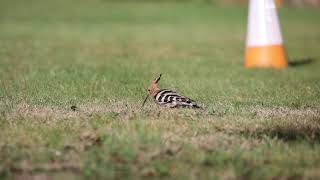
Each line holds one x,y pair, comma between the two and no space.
145,100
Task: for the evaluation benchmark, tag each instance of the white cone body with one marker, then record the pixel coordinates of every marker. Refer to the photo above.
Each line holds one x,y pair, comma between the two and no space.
263,24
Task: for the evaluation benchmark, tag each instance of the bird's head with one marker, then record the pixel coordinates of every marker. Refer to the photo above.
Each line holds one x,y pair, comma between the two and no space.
152,89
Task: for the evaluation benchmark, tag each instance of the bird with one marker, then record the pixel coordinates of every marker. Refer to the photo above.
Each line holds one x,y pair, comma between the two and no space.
168,98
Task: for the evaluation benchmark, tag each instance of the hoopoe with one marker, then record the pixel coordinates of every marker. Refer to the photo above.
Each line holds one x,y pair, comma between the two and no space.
167,97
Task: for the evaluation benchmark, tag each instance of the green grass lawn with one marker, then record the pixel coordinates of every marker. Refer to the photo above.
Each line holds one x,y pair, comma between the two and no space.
101,56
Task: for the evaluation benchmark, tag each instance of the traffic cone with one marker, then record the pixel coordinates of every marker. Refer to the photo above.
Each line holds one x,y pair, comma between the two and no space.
264,46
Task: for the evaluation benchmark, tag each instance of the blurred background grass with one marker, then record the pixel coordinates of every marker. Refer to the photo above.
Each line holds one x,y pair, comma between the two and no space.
83,50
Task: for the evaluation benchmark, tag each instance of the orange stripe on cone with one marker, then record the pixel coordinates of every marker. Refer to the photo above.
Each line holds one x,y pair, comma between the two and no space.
278,3
266,56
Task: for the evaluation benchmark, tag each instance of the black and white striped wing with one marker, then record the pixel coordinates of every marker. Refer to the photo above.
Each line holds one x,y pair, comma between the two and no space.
173,99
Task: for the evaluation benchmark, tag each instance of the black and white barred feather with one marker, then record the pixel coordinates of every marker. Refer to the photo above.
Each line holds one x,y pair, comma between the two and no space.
172,99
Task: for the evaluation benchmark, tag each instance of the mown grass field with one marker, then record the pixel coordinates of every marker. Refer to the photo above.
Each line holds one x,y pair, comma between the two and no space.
100,56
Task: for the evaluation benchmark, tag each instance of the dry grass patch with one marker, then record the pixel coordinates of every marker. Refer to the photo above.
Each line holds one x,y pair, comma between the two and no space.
285,112
144,141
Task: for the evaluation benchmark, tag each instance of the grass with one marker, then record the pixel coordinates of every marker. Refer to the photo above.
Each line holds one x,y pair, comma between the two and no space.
101,56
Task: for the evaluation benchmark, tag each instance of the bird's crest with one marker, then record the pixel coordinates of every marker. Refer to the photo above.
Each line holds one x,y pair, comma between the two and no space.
153,88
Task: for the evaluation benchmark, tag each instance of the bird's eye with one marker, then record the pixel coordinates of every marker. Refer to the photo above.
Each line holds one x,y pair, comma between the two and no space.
148,90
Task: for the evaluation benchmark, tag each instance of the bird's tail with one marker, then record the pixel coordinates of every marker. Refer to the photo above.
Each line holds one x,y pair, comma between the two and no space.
197,106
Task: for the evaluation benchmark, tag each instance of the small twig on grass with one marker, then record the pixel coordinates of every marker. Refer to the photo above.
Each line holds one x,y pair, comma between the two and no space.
29,168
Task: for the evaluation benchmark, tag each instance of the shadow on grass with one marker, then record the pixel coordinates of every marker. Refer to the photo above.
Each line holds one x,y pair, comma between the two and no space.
309,134
301,62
